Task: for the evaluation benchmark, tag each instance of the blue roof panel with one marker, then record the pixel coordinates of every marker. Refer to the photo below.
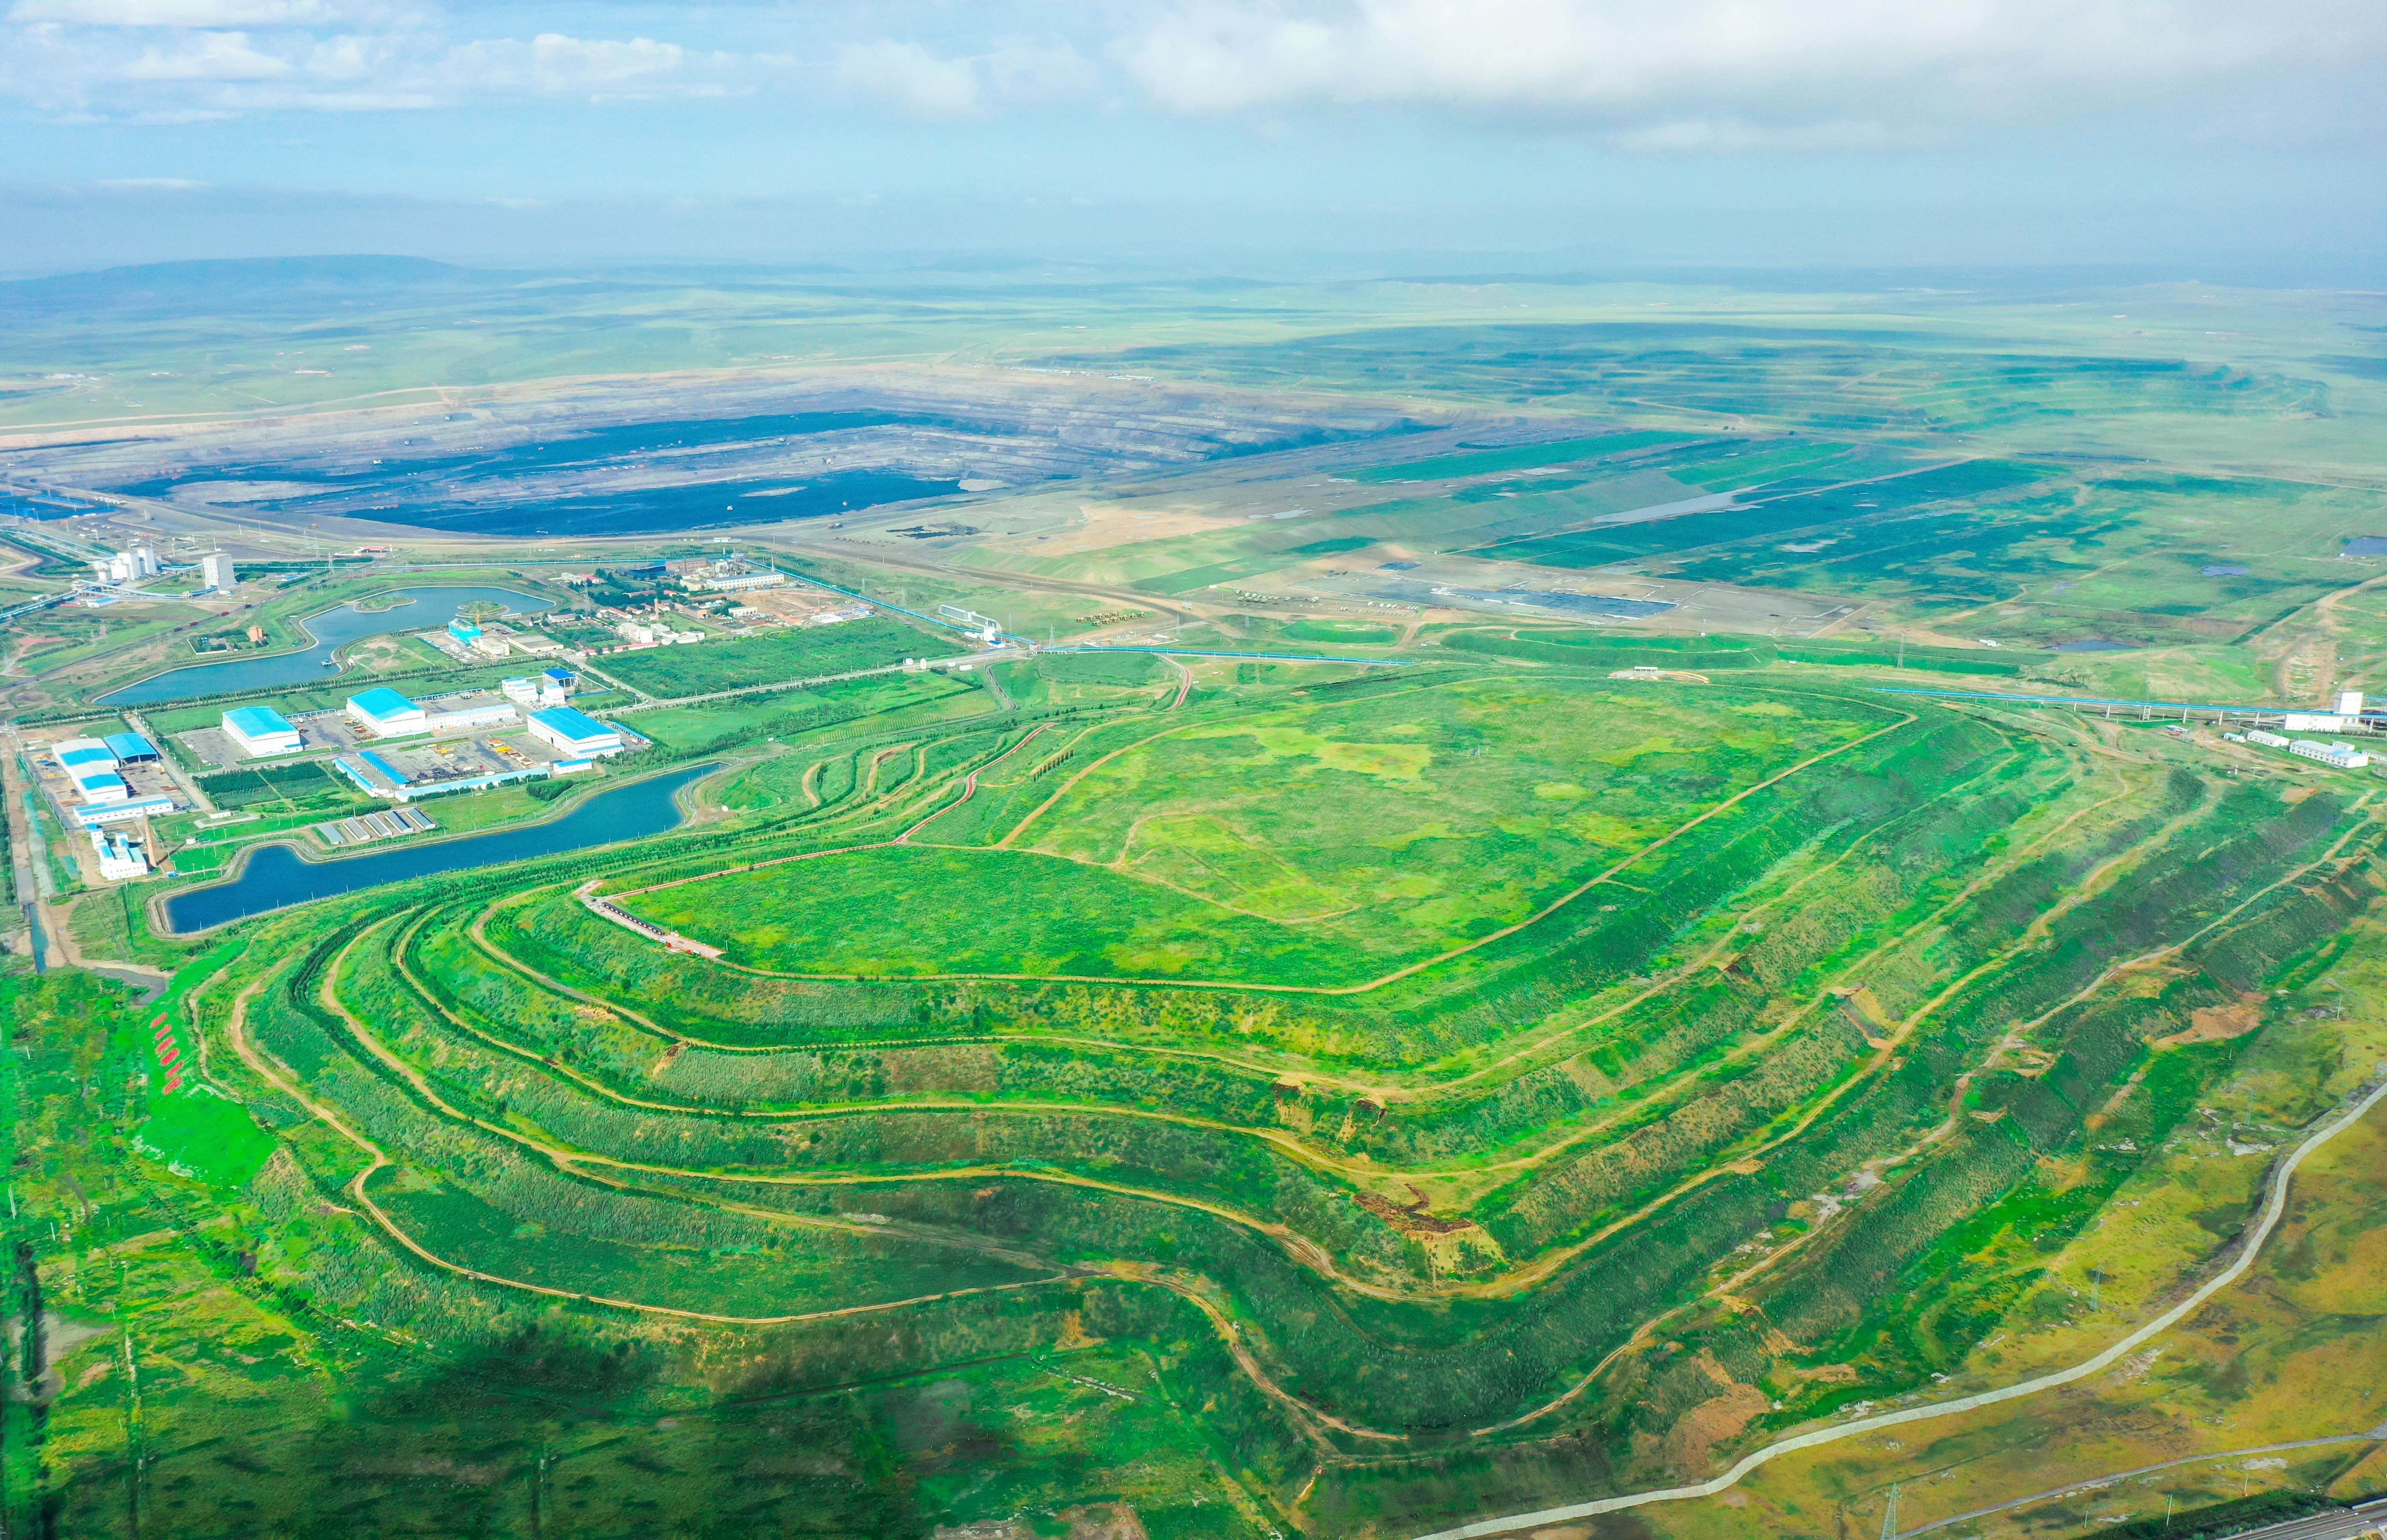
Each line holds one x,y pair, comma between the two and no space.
396,776
253,720
572,723
381,702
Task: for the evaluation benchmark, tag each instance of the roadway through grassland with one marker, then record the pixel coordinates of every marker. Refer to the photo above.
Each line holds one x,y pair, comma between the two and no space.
2274,1206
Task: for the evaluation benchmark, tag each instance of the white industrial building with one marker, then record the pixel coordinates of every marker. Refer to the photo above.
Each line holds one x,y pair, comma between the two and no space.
737,582
127,566
91,765
217,571
2268,740
260,731
575,733
640,634
386,713
553,688
464,719
2338,756
92,815
120,858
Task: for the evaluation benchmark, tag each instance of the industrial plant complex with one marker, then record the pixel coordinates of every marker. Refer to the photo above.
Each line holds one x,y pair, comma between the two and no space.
379,742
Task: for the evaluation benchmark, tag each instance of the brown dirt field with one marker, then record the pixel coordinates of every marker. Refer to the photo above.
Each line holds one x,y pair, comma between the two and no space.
2219,1023
1709,1423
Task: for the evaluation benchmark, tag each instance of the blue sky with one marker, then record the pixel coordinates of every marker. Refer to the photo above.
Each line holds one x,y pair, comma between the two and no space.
1724,131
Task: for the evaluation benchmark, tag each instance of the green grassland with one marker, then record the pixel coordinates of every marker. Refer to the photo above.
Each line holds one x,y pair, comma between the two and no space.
811,652
1225,851
1323,1101
531,1170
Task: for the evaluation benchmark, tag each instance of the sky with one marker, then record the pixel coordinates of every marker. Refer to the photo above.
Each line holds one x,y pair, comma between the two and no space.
1189,134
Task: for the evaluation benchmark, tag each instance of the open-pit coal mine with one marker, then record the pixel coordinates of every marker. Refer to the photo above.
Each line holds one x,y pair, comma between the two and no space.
652,455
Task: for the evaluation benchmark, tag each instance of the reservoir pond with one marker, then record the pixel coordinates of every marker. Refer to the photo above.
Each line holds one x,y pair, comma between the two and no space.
276,876
423,610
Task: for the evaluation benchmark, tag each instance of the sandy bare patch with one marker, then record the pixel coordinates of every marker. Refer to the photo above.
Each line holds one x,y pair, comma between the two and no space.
2219,1023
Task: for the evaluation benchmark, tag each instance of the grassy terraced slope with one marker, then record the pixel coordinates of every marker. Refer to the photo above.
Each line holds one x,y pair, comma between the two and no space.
1311,845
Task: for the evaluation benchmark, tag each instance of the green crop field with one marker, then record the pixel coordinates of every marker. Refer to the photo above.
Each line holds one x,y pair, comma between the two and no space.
1378,1065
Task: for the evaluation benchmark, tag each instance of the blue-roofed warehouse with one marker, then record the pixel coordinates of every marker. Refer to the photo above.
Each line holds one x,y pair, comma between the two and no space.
386,713
131,749
259,731
575,732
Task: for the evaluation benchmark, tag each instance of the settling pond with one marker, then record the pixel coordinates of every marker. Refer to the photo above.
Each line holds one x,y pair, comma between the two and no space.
276,876
400,609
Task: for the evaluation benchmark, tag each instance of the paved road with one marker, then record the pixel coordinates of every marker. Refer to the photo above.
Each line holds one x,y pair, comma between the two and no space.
174,771
2341,1524
652,703
2013,699
2275,1202
2092,1484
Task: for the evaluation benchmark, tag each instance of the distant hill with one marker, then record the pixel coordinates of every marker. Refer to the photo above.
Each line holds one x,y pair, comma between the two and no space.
232,283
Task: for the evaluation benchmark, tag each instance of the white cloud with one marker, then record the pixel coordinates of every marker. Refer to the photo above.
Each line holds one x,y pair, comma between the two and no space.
152,184
174,13
154,61
553,64
922,85
916,82
1718,73
206,56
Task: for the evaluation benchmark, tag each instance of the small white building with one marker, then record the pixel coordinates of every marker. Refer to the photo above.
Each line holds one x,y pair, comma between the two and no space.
2268,740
